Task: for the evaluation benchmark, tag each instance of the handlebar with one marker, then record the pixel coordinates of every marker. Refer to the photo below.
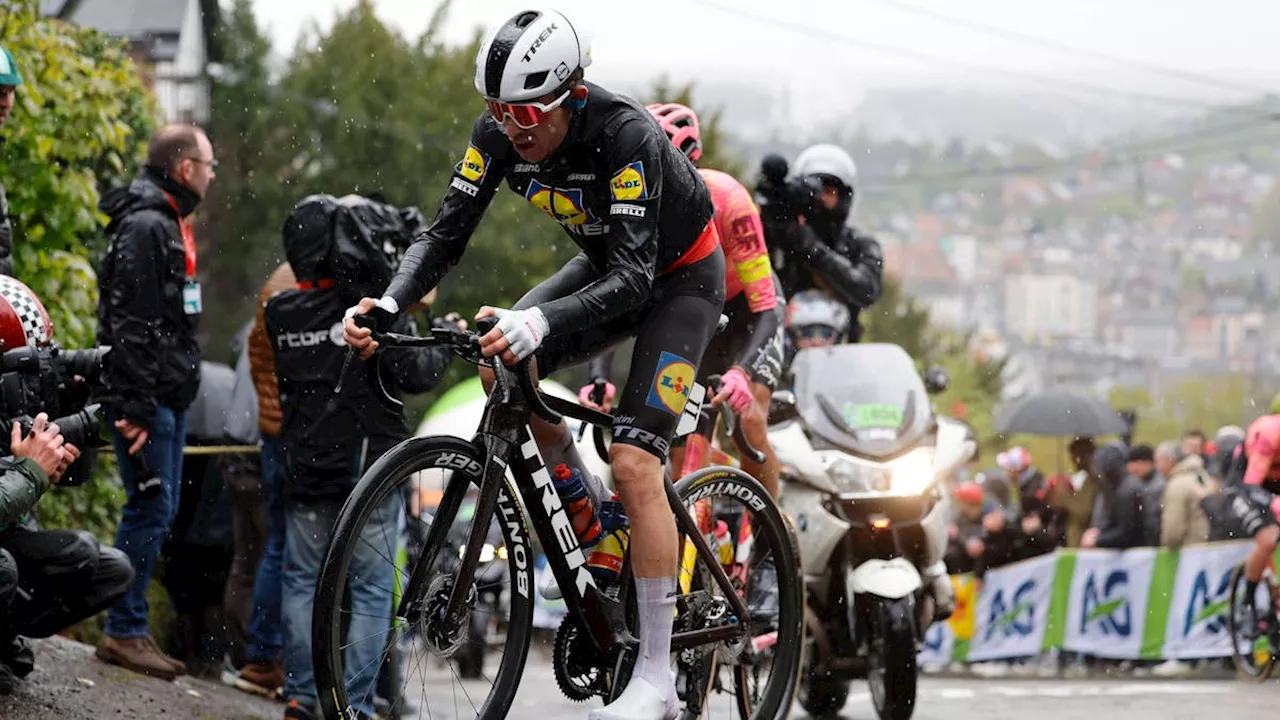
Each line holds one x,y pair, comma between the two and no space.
464,343
735,427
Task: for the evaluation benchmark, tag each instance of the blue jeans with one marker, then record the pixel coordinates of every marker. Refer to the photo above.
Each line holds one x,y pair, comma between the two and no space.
265,639
146,520
309,528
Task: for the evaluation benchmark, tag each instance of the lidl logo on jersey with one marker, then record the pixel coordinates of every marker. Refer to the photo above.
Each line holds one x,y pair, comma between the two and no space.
474,164
628,183
1209,603
1106,604
671,383
1012,615
565,206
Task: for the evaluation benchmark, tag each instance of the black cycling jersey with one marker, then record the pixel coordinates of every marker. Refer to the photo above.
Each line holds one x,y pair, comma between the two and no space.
621,190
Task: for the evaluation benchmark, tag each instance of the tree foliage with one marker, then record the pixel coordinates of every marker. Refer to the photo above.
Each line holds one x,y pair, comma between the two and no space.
81,116
359,109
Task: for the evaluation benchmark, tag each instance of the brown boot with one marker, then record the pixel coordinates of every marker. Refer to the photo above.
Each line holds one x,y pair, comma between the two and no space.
178,666
263,679
135,654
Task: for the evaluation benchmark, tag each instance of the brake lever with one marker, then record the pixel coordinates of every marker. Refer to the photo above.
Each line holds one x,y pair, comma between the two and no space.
734,426
599,385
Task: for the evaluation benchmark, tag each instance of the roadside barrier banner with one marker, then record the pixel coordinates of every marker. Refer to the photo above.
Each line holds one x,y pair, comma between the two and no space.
1144,603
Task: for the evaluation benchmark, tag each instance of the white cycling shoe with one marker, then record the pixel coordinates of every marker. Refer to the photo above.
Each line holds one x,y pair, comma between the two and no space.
640,701
549,588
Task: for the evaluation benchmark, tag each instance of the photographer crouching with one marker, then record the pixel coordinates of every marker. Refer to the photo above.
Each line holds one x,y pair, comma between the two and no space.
49,579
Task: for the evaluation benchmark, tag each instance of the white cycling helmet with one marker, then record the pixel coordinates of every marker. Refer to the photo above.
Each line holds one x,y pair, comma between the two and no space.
827,160
529,56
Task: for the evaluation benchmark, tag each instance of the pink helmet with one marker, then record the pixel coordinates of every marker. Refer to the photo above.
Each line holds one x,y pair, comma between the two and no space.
681,125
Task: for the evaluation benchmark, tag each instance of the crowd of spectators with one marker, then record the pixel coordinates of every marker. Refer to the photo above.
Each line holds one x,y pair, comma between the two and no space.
1118,496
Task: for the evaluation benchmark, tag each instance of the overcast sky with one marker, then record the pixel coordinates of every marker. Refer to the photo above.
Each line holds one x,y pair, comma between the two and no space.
1227,39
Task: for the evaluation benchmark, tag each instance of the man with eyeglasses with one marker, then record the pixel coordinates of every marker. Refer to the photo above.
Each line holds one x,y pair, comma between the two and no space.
148,312
10,79
651,267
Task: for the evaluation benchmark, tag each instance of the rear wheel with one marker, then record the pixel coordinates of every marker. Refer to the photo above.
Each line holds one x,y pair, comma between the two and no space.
430,688
763,667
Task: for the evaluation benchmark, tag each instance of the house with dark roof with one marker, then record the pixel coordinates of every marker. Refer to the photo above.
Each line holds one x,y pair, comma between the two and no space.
171,41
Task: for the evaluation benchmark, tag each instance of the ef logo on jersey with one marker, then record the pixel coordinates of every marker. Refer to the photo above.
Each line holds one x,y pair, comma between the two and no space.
671,383
628,183
474,164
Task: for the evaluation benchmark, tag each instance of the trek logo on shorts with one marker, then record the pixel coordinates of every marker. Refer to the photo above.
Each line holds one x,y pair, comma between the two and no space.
474,164
628,183
671,383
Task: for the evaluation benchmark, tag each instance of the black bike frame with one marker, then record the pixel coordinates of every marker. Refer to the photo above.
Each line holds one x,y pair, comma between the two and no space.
506,441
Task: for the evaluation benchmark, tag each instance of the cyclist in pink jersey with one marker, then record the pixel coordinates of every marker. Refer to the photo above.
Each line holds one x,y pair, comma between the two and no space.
1255,503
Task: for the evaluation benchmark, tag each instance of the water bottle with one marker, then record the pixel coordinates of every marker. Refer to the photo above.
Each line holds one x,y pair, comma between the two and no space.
605,562
573,494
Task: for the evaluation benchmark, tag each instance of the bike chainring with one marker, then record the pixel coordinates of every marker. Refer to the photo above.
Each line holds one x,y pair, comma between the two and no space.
577,671
441,637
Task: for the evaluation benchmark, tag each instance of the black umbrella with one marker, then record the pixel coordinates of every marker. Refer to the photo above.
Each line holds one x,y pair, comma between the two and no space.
1060,413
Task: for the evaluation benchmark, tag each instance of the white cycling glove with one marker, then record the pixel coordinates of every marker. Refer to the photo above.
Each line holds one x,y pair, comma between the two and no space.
525,330
386,302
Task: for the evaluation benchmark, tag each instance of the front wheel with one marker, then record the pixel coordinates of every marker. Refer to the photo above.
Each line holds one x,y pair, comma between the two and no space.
359,562
892,671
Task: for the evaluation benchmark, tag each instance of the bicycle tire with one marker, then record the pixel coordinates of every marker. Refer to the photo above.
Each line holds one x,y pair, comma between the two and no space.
741,689
768,521
383,478
1244,669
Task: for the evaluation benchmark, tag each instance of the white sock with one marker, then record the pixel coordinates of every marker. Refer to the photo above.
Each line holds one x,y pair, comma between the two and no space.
566,451
656,598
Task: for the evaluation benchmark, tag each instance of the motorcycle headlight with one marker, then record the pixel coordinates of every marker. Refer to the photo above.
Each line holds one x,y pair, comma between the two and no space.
913,473
487,553
851,477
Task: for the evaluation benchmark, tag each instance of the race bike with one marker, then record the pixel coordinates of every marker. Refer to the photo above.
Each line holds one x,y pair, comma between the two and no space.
595,649
863,457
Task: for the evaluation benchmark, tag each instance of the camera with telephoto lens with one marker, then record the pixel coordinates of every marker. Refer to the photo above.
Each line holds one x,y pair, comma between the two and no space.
783,199
47,379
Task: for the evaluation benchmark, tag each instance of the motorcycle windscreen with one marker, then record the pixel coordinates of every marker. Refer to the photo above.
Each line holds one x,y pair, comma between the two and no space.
867,399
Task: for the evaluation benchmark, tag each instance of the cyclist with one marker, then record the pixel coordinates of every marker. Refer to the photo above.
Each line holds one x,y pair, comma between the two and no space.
805,219
650,267
1254,502
748,353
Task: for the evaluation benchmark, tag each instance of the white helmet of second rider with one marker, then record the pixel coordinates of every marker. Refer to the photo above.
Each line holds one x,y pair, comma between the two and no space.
530,55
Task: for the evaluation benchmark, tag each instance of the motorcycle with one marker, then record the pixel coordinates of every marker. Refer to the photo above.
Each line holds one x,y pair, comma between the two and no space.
863,456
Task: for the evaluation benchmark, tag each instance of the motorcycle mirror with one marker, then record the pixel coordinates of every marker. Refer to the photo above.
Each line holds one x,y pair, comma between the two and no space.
936,380
782,407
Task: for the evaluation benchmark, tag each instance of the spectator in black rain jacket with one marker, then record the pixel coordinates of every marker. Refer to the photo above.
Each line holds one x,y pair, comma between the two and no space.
148,312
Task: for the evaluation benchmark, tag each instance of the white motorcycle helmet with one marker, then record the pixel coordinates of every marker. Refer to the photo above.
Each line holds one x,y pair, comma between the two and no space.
815,319
530,55
830,165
